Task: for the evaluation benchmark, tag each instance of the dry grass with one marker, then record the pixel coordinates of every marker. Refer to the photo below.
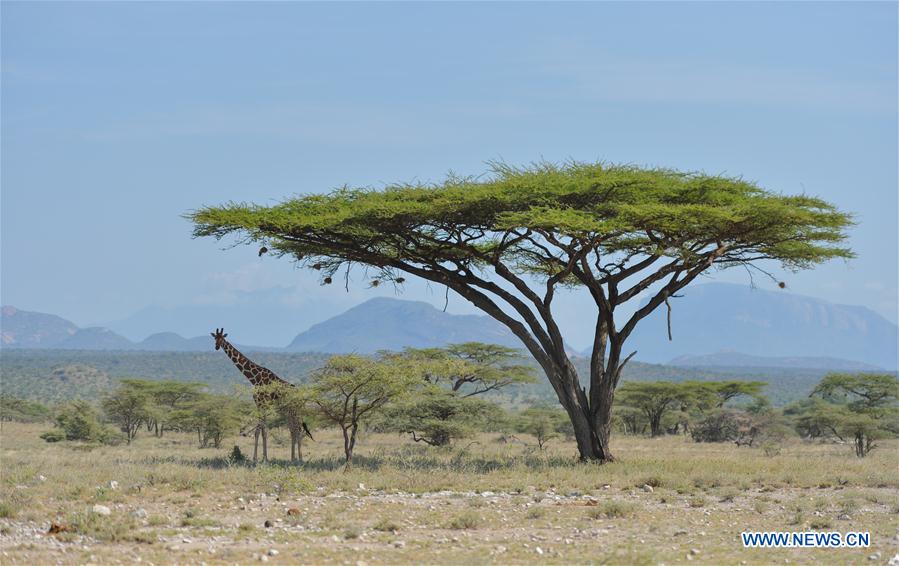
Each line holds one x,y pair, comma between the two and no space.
489,502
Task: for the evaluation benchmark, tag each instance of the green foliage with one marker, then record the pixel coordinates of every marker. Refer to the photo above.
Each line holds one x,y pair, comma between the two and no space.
164,398
470,368
544,423
25,374
128,407
237,456
213,417
54,435
79,420
872,393
351,389
715,394
656,398
675,406
630,420
465,520
60,375
437,416
22,410
739,426
860,408
612,510
613,205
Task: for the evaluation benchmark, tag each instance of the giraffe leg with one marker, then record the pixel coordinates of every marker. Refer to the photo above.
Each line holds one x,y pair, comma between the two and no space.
293,444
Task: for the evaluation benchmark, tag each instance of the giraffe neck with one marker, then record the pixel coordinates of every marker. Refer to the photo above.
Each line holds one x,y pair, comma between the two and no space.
255,374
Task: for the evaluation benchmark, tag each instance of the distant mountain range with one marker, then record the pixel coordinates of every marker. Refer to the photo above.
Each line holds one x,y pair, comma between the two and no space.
742,327
393,324
717,317
736,359
25,329
33,330
377,324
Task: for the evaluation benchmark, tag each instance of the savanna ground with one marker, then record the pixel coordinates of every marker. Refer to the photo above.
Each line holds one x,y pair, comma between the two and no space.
485,502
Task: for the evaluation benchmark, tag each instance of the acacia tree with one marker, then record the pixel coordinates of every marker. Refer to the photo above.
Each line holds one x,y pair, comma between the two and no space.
714,394
655,399
165,399
509,241
469,368
864,408
128,407
437,416
351,389
541,422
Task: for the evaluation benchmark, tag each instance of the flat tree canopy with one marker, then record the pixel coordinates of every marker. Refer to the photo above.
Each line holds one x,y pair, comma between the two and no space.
508,241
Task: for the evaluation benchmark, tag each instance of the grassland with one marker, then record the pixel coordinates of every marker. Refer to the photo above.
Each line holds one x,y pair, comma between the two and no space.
485,502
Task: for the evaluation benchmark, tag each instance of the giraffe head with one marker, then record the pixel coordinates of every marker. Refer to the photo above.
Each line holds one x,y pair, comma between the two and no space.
219,336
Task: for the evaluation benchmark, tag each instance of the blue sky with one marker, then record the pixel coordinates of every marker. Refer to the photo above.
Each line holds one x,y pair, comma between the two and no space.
119,117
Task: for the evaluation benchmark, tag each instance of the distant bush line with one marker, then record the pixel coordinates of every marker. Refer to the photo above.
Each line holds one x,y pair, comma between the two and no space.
52,376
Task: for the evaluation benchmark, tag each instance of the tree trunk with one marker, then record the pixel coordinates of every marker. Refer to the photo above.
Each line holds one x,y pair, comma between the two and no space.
860,445
592,426
349,441
655,426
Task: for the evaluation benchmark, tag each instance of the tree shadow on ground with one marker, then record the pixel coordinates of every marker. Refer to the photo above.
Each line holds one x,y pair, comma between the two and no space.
368,463
419,462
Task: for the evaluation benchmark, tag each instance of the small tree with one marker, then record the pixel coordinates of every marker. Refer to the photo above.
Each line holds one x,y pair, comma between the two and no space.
543,423
509,241
862,430
813,418
859,408
22,410
351,389
437,416
213,417
872,393
721,425
631,419
78,420
715,394
471,368
164,400
655,399
127,407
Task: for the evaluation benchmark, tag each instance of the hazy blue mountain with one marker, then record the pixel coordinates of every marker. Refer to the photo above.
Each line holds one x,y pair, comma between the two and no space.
392,324
95,338
746,327
270,316
171,342
718,317
25,329
737,359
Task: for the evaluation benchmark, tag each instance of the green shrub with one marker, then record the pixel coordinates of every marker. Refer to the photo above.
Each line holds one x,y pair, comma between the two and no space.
79,421
54,435
467,520
612,510
386,525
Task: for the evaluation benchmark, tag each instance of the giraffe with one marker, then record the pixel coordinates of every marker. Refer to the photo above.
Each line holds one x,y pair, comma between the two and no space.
260,376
